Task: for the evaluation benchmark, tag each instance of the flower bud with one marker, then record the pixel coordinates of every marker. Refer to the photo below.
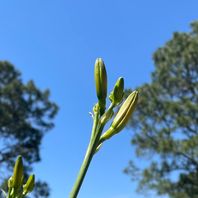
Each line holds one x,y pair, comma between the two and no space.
10,186
122,116
17,178
96,108
101,83
116,95
107,116
10,182
29,186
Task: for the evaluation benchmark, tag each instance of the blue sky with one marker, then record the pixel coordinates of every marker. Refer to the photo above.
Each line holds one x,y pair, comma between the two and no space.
55,43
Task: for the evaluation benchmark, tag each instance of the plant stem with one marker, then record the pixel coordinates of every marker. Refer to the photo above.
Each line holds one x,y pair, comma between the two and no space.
82,172
91,150
87,159
9,192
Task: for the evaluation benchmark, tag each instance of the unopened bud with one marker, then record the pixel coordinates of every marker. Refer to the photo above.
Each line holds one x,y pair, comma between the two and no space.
107,116
17,178
29,186
100,75
117,94
122,116
96,108
10,182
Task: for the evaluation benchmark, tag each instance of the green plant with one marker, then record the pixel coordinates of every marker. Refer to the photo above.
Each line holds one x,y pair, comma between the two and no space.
101,116
16,186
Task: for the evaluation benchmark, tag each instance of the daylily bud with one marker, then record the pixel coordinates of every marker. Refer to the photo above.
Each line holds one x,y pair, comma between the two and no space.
29,186
116,95
10,182
96,108
101,83
17,178
122,116
107,116
10,186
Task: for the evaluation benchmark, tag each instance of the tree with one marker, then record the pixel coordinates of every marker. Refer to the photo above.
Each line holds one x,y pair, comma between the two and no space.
165,123
26,114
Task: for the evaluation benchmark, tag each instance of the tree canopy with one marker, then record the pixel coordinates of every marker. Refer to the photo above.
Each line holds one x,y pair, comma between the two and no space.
165,124
26,114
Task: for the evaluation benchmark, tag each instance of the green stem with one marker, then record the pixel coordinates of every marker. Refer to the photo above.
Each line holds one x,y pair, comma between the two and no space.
87,159
9,192
82,172
93,144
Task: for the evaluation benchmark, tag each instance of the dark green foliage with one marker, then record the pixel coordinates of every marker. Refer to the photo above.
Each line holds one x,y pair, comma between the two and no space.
26,114
165,123
41,190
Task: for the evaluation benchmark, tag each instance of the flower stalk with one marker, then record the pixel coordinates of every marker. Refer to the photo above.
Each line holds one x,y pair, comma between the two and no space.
101,117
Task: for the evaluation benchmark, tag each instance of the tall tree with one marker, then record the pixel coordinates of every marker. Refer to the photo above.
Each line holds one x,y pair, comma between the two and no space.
165,123
26,114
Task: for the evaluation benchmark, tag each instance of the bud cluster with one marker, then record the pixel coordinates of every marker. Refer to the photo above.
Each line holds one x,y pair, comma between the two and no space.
116,96
16,187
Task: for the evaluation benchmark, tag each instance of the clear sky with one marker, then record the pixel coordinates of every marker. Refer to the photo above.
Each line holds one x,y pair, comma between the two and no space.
55,43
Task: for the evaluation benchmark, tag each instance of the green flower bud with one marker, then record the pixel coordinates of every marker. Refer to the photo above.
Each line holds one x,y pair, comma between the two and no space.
29,186
10,182
17,178
117,94
122,116
10,186
96,108
107,116
100,75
